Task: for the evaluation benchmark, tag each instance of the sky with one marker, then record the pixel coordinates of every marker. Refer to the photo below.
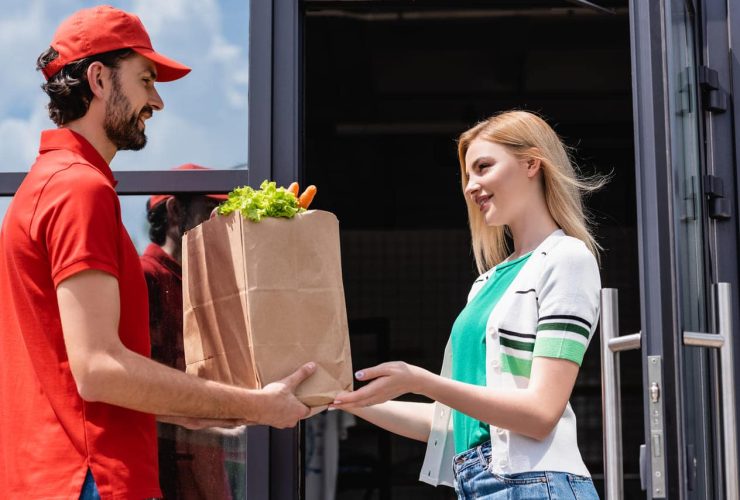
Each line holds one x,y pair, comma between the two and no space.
204,120
205,115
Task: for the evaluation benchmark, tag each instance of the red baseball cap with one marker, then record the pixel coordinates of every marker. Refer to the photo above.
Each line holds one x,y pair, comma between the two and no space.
101,29
156,199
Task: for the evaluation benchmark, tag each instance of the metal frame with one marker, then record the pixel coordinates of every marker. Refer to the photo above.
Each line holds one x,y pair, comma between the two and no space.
159,181
657,267
275,153
724,136
723,341
260,161
720,142
655,236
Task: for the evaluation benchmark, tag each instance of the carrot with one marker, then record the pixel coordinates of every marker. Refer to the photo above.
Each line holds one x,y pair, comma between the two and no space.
307,196
293,188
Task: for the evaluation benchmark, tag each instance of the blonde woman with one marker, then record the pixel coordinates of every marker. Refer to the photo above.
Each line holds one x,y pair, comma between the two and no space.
501,425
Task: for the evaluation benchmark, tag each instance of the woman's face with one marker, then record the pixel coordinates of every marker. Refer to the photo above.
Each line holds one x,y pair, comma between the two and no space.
499,183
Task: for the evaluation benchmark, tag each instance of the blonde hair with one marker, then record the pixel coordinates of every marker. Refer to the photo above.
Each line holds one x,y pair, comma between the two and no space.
528,136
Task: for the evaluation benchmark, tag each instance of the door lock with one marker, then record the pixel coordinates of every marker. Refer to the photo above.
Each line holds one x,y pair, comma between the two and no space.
656,445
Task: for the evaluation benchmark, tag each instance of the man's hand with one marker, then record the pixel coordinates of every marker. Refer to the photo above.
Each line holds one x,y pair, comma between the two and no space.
282,409
315,411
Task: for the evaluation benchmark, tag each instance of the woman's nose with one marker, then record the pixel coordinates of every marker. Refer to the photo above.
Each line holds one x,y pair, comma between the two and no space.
472,187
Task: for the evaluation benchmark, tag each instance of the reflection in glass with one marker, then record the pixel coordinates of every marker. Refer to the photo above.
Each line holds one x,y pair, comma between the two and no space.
205,464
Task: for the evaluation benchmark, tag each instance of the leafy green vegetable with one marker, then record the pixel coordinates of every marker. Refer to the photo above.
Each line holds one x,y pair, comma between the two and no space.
268,201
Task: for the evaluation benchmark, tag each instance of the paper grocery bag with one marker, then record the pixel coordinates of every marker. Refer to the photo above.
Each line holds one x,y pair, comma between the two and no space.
260,299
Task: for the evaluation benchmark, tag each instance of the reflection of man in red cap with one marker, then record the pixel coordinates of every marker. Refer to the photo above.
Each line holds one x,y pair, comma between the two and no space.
170,216
188,466
78,392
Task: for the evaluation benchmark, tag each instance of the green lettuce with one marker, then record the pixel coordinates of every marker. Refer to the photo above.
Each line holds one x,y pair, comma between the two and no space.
268,201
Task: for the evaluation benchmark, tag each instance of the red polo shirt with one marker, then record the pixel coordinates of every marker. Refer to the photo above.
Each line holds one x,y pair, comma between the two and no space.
64,219
164,281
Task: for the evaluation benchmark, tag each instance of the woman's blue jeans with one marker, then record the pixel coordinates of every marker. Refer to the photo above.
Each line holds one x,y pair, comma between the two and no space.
474,480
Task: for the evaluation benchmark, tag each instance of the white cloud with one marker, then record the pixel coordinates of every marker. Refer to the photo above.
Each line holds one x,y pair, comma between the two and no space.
19,137
205,117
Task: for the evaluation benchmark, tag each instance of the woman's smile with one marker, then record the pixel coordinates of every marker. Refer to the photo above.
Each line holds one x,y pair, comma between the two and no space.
483,201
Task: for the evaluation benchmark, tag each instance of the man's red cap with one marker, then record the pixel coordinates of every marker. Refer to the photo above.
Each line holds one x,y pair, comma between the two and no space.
156,199
101,29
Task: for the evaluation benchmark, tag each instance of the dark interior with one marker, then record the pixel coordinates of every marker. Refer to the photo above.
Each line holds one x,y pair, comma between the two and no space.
389,85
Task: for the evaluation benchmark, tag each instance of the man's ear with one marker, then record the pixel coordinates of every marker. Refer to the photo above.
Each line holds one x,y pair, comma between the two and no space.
174,211
97,75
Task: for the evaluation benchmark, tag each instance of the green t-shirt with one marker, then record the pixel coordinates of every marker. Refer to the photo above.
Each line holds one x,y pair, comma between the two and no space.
469,348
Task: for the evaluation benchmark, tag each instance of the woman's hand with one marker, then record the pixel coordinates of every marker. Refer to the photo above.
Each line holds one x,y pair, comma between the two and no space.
388,381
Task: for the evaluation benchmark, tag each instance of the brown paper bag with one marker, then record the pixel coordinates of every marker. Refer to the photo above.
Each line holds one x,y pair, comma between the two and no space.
262,298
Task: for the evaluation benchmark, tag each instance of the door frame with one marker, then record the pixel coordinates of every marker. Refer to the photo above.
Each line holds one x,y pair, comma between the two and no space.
722,55
660,314
654,218
274,464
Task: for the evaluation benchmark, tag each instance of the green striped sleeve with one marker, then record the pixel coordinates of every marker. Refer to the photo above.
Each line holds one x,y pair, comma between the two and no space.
564,327
562,348
516,366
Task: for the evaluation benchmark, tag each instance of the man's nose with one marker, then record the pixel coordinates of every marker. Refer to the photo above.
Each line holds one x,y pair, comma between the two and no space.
155,101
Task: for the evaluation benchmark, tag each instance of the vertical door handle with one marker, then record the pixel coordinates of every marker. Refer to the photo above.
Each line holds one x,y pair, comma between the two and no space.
611,403
724,317
723,340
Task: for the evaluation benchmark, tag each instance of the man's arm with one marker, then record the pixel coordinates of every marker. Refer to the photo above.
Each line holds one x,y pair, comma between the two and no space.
106,371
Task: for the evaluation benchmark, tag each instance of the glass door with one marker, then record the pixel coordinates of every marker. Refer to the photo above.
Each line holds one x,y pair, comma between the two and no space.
691,287
685,310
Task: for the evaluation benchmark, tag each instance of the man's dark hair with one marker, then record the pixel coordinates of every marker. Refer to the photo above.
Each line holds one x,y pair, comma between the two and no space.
68,90
157,217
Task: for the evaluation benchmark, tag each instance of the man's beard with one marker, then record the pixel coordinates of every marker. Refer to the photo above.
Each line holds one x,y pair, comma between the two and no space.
121,128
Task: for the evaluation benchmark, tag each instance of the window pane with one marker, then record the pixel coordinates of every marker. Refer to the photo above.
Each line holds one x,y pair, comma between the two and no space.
205,115
193,464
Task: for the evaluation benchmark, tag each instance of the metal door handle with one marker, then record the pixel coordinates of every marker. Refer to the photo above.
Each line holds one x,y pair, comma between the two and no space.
722,340
611,403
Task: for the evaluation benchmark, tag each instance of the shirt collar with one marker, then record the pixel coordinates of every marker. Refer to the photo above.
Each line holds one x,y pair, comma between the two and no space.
68,140
157,253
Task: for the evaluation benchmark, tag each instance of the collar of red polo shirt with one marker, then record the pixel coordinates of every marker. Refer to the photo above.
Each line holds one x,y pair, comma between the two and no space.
156,199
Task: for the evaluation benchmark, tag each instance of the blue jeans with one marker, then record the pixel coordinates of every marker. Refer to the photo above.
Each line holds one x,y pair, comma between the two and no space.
89,488
474,480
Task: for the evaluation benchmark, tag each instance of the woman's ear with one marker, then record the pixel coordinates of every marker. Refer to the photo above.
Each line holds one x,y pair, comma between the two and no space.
534,165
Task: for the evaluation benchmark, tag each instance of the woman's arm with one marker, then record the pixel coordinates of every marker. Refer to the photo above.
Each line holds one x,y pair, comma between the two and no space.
411,420
533,411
